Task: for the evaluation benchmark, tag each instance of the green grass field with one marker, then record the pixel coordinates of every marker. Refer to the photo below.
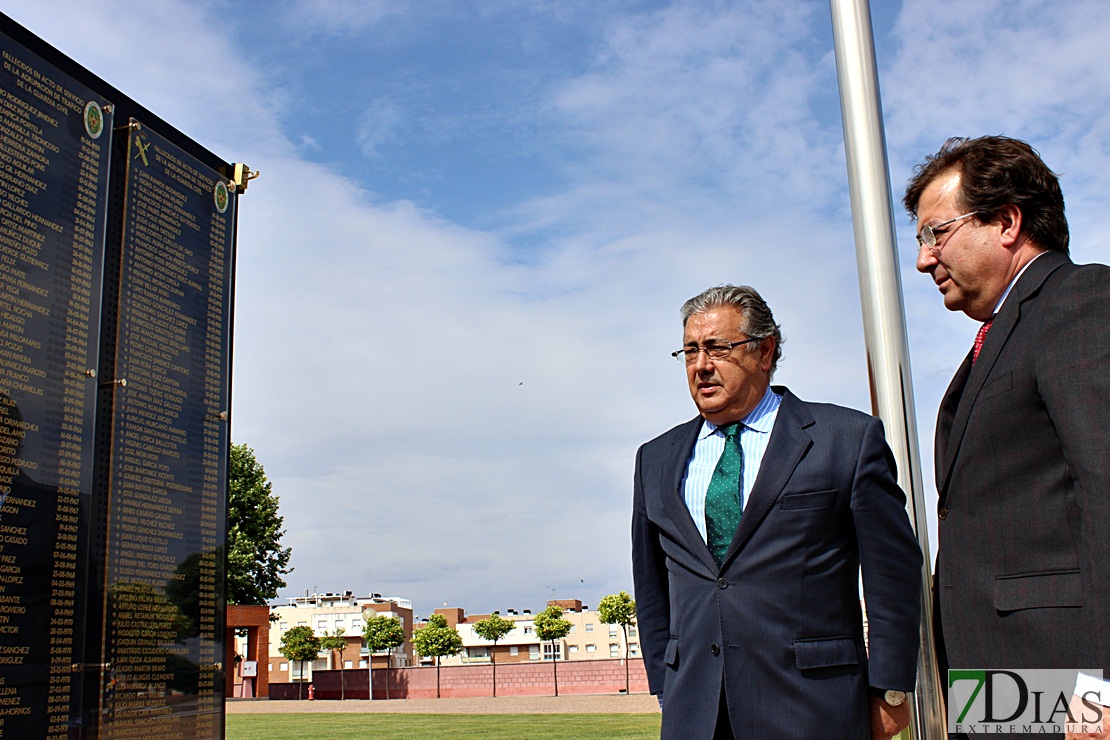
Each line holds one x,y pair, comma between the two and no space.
455,726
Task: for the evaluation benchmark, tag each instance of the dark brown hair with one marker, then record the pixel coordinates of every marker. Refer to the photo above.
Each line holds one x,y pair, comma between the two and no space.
997,171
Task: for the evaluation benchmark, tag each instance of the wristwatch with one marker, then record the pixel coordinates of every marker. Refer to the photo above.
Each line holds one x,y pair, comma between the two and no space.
891,696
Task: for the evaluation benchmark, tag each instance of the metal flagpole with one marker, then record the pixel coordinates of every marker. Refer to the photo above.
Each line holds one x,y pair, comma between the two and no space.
884,322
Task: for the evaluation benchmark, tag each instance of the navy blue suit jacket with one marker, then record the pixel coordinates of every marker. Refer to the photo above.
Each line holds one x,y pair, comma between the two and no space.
778,626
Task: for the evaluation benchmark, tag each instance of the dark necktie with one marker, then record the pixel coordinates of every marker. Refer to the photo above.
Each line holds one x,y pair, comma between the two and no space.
722,499
979,339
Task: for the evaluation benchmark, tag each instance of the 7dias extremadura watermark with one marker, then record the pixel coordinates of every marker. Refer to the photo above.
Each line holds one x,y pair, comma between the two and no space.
986,701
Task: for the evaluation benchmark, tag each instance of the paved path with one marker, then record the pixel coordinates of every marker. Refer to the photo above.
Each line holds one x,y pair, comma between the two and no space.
574,704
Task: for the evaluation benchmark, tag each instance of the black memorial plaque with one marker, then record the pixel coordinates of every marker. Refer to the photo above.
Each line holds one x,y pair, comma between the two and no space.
55,141
167,503
114,403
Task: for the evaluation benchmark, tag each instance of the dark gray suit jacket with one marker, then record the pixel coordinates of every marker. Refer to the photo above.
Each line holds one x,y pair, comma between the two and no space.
1023,472
779,625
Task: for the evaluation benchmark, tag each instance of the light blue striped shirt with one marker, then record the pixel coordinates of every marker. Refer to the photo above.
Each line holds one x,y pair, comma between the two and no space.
754,436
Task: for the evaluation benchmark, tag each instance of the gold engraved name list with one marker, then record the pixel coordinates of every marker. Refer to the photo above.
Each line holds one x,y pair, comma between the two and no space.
168,506
53,180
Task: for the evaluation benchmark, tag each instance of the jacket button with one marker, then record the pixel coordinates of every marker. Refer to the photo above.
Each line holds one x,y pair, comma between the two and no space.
722,583
943,513
715,649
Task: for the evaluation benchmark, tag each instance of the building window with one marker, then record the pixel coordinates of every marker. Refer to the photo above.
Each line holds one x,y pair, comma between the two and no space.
283,667
527,630
514,650
634,649
533,652
589,626
612,630
614,650
572,648
632,631
284,626
557,652
573,629
591,648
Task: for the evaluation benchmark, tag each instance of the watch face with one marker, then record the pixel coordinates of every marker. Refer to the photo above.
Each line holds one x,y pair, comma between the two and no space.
894,698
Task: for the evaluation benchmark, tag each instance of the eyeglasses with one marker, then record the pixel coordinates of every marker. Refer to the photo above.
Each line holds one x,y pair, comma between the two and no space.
928,235
713,350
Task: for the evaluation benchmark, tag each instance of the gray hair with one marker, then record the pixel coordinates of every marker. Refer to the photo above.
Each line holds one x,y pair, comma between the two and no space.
758,321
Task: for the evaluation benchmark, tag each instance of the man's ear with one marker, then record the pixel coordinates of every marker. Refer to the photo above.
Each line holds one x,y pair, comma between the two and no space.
767,353
1010,218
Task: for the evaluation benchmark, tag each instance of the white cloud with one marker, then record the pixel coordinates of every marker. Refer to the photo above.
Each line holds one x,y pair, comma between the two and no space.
339,17
377,126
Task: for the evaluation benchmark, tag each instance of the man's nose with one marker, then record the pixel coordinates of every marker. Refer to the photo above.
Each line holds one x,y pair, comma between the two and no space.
702,361
926,260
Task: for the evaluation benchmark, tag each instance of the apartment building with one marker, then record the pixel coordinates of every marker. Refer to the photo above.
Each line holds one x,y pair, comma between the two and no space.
589,638
327,613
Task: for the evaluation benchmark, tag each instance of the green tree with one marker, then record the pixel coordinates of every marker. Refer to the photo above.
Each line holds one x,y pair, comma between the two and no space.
619,609
436,640
256,561
381,633
493,628
336,642
550,626
300,644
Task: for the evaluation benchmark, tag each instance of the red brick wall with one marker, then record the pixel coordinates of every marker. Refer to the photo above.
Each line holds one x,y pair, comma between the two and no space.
520,679
257,620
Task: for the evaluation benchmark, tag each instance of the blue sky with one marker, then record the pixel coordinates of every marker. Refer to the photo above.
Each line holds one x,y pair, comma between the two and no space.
460,271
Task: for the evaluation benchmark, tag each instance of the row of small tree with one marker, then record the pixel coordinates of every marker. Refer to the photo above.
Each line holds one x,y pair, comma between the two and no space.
301,644
435,639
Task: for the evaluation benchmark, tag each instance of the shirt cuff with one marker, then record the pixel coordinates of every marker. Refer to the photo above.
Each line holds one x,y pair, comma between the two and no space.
1085,683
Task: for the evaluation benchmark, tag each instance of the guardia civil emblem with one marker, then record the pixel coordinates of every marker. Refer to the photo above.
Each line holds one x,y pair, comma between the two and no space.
221,196
94,119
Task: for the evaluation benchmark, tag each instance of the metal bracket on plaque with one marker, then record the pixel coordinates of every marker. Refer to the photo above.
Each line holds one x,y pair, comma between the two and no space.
121,382
243,175
78,667
90,373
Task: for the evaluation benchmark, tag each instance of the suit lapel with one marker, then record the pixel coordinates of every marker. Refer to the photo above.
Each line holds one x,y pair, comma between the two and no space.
945,419
682,445
785,449
1004,322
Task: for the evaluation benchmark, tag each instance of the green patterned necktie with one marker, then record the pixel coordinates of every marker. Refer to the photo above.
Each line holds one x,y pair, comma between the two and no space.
722,500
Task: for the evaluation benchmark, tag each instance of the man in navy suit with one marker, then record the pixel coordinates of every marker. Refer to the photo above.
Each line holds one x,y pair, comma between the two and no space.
1023,435
750,526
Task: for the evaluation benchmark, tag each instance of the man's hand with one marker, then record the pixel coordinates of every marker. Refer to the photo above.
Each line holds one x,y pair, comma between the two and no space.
1083,728
888,721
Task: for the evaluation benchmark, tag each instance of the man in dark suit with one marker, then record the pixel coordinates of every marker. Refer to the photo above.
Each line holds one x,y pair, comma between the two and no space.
1023,435
749,528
